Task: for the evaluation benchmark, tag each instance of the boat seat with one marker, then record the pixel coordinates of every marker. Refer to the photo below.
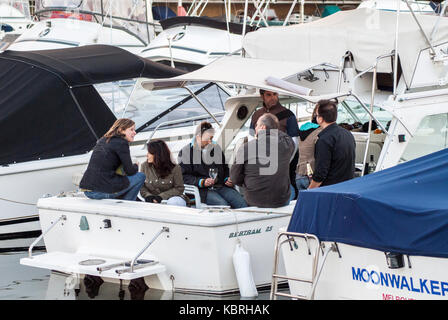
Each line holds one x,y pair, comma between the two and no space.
193,193
375,146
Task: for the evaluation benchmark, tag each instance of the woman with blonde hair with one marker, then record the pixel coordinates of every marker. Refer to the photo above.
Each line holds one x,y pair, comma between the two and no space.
111,173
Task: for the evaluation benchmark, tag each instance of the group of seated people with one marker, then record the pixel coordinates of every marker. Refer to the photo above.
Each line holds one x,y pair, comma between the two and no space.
160,178
268,169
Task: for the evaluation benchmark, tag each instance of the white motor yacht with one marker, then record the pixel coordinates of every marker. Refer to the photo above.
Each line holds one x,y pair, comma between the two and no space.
15,18
66,24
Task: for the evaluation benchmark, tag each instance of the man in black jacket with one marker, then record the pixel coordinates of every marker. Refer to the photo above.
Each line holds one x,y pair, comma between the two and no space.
197,158
335,148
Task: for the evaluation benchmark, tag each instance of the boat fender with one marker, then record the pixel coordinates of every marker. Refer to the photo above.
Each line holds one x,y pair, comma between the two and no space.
243,271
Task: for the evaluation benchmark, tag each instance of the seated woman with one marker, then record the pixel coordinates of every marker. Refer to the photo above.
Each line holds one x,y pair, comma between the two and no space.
163,177
104,178
197,158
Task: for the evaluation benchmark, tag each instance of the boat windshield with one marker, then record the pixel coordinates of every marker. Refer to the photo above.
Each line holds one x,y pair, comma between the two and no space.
69,4
351,112
150,108
130,15
13,9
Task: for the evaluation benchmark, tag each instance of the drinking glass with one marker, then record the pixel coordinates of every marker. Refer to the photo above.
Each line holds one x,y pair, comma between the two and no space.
213,173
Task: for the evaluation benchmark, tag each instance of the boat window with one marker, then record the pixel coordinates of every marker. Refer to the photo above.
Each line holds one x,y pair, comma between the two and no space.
431,136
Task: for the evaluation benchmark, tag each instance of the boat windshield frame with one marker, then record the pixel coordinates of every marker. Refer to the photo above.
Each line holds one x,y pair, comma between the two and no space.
192,95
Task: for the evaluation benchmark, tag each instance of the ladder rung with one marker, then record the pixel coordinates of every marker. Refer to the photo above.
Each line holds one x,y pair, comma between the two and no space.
291,278
290,295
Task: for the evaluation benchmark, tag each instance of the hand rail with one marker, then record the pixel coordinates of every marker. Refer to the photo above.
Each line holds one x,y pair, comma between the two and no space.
164,229
276,276
30,249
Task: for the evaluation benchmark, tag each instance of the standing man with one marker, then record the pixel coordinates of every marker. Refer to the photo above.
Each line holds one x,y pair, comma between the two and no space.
262,165
287,122
335,149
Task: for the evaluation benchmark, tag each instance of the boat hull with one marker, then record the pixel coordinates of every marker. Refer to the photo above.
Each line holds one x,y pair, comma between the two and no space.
352,272
197,251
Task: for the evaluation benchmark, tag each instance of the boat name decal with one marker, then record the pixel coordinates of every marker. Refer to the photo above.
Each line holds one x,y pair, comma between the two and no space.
248,232
401,282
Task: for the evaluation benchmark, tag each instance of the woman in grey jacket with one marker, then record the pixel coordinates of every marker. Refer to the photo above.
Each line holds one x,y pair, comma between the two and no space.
164,179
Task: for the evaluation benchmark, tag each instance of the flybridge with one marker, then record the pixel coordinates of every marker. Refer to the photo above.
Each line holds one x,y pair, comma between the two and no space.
401,282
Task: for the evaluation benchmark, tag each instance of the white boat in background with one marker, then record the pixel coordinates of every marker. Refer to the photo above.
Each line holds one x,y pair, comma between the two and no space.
191,42
15,18
66,24
419,7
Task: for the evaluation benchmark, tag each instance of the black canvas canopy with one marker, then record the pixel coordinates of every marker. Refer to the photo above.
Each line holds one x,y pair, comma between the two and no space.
233,27
48,105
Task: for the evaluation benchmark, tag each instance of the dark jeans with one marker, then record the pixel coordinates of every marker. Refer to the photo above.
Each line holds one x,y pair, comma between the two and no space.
130,193
302,183
225,196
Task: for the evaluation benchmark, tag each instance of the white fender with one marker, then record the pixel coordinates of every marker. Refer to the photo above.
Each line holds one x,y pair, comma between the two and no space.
243,271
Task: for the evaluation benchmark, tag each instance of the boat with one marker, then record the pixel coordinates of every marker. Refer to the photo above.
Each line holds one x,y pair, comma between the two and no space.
205,236
57,123
399,71
379,237
190,42
370,89
15,18
61,24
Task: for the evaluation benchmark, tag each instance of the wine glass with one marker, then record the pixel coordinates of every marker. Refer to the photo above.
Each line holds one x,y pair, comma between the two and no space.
213,173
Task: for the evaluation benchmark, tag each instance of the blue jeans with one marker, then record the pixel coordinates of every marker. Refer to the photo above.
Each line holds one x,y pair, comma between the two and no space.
130,193
225,196
302,183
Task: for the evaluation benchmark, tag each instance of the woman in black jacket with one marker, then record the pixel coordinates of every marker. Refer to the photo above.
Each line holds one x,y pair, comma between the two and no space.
111,173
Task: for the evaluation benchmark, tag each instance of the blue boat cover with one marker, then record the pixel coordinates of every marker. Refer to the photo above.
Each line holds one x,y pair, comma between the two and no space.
162,13
403,209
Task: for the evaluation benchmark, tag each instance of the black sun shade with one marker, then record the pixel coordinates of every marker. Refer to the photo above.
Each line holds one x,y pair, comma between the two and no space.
48,105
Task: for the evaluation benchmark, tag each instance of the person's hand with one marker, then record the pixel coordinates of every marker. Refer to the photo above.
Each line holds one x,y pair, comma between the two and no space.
229,183
153,199
209,182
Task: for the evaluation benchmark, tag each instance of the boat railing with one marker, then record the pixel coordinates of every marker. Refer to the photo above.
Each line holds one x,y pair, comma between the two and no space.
183,120
373,69
30,249
316,269
164,229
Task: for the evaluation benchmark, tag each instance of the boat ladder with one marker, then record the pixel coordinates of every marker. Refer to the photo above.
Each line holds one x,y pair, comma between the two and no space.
316,269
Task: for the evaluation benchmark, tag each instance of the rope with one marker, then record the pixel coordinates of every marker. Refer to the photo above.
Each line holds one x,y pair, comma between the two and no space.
19,202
